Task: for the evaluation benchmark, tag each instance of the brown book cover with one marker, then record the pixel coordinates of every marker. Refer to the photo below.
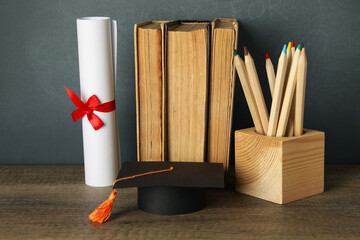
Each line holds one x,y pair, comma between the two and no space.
224,36
187,70
150,90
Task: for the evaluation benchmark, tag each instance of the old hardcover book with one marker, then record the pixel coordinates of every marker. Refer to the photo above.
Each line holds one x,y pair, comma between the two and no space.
187,90
221,92
150,85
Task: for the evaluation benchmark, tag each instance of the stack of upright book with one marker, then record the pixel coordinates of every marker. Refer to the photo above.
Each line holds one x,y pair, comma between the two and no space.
185,89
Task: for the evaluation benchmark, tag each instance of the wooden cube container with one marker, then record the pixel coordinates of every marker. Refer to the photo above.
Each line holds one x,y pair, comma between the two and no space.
279,169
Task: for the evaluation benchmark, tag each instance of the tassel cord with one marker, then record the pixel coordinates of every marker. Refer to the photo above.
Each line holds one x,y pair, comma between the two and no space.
103,212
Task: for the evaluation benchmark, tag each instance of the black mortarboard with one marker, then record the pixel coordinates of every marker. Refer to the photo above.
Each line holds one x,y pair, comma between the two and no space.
175,192
169,188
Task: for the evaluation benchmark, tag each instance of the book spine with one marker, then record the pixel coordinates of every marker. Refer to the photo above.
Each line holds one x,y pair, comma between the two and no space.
150,85
221,94
187,91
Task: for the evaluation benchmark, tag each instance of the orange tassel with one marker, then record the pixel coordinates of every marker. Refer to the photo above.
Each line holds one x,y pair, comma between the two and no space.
102,213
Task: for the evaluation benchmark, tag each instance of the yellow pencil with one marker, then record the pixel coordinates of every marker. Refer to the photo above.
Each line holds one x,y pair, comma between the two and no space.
300,93
289,56
278,93
290,127
241,70
256,89
288,96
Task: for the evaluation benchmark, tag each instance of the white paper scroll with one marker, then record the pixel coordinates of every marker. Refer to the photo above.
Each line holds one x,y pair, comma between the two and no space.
97,37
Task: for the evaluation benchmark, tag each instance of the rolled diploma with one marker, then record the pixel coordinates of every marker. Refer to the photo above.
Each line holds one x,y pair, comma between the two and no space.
101,147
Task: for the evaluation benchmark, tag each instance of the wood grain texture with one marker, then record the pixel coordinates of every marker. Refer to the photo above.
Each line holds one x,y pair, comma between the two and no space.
187,90
221,92
52,202
149,78
280,170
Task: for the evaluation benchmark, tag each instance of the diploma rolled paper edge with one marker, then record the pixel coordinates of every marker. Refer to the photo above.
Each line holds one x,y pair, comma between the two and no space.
96,38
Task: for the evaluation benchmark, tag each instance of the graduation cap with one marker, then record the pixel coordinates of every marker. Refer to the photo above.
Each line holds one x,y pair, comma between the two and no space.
165,188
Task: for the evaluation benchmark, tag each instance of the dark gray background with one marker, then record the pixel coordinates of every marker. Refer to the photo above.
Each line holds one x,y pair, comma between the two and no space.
38,56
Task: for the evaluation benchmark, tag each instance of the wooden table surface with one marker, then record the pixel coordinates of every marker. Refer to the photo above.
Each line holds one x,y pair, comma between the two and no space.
52,202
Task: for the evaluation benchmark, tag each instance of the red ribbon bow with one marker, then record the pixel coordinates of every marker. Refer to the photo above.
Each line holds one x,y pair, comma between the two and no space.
92,104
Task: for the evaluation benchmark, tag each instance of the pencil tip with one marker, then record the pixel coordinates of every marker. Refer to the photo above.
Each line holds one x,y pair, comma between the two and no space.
302,45
299,46
246,52
235,53
284,48
293,44
289,46
303,51
267,56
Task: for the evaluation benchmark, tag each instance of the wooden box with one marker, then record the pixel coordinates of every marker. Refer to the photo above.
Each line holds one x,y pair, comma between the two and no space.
279,169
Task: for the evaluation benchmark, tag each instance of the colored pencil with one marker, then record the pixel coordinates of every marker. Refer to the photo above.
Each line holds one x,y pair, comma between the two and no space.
290,125
278,93
300,93
242,73
256,89
289,54
289,58
293,48
270,73
288,96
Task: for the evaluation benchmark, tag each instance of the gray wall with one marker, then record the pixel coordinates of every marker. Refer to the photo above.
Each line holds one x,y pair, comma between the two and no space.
38,56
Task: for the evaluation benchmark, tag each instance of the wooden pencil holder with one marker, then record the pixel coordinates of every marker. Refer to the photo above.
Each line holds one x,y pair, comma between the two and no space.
279,169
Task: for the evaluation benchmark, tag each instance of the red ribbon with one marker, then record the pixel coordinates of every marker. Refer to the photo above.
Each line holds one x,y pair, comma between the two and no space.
92,104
